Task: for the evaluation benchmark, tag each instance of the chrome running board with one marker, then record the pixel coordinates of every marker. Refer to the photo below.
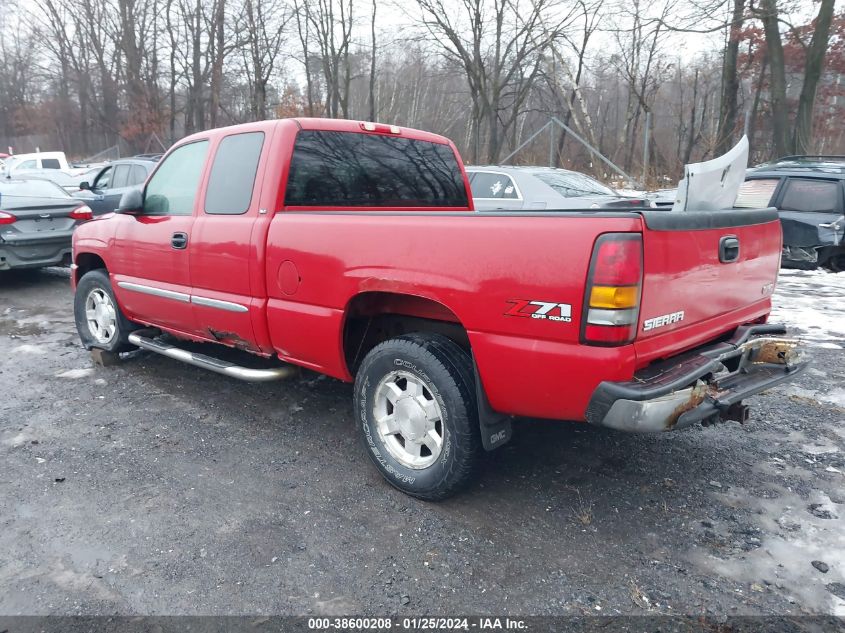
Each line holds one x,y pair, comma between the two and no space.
208,362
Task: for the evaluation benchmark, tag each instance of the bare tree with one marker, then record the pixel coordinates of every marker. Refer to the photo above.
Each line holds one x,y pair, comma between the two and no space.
264,29
500,45
800,138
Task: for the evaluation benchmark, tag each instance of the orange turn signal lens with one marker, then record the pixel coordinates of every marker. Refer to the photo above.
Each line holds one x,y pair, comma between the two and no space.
613,297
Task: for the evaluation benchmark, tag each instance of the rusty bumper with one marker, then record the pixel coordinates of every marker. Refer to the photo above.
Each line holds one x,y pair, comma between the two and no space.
705,385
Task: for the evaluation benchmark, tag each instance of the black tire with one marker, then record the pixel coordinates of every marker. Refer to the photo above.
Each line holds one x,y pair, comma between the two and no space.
446,372
836,262
98,280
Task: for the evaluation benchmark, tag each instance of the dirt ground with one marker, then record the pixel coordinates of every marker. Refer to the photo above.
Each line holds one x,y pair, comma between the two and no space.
157,488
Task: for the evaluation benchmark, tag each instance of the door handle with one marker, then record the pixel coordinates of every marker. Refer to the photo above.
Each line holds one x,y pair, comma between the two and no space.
728,249
179,240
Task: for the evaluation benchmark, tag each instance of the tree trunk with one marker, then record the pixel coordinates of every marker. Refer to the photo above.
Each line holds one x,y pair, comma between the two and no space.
691,136
777,74
373,65
730,82
217,64
803,135
755,108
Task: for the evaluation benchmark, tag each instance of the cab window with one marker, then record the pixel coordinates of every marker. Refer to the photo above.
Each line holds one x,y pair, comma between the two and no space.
121,177
137,176
103,179
490,185
811,195
233,172
172,189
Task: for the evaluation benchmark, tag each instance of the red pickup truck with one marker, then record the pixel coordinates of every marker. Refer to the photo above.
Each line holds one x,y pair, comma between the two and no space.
353,249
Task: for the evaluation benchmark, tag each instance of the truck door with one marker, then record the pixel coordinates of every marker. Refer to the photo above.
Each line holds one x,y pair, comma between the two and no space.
151,250
228,289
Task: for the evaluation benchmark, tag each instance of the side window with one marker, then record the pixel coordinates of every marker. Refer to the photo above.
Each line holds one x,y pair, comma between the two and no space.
756,193
233,173
50,163
137,176
350,169
28,164
810,195
173,187
121,177
103,179
491,185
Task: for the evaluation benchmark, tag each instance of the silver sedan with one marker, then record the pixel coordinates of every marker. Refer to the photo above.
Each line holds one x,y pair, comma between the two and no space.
500,188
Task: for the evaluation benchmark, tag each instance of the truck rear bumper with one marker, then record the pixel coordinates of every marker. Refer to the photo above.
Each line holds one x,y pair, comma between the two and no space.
705,385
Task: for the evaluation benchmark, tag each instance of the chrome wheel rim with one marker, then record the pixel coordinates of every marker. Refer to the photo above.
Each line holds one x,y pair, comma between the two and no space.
101,315
408,419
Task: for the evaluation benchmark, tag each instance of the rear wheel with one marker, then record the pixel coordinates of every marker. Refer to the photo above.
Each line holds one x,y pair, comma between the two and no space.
417,413
99,321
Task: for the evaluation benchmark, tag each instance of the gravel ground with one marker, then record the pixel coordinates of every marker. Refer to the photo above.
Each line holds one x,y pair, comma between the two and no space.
157,488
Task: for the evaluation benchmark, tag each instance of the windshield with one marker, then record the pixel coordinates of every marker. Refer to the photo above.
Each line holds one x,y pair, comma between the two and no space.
571,184
31,189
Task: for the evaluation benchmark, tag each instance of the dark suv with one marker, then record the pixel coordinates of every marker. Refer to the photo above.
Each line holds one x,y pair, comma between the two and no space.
809,193
103,193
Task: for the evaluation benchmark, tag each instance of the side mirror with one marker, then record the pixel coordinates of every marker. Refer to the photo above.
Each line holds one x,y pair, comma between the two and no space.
84,185
131,202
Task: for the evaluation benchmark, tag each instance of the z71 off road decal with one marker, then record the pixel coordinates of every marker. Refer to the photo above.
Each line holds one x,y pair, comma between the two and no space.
540,310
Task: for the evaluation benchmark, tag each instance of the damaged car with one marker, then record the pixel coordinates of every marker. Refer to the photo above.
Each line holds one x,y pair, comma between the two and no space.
809,193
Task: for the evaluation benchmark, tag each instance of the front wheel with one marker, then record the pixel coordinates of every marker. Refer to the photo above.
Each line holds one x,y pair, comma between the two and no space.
836,262
99,321
416,409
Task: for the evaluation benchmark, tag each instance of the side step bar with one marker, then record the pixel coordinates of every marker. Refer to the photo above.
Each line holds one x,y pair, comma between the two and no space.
142,340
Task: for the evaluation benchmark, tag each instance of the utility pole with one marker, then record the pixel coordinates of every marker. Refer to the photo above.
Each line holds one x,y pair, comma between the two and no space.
645,146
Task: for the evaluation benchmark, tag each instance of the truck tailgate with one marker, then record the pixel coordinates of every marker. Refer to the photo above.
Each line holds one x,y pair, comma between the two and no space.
704,274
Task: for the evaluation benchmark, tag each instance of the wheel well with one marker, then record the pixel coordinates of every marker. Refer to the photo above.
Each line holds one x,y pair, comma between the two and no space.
374,317
86,262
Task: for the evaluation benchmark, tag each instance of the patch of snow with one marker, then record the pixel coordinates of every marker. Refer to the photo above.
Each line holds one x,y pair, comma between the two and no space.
812,304
793,537
76,373
28,349
835,396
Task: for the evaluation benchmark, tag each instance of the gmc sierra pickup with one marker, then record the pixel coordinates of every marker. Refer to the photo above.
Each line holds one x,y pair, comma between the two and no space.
353,249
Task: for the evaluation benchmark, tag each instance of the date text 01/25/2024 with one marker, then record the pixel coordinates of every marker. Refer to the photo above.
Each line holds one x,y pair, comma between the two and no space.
425,623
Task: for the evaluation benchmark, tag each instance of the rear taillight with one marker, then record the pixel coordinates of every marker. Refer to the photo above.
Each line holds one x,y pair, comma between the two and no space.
614,283
82,212
7,218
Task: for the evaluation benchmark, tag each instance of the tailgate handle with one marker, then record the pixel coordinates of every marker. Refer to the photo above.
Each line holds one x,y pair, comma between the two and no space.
728,249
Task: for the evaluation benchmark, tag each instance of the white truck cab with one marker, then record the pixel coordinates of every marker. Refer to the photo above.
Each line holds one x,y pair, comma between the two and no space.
38,160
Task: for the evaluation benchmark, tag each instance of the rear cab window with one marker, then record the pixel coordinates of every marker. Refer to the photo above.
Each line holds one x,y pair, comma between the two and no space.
350,169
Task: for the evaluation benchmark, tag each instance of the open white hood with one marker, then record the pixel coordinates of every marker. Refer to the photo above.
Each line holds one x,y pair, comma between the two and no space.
714,184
